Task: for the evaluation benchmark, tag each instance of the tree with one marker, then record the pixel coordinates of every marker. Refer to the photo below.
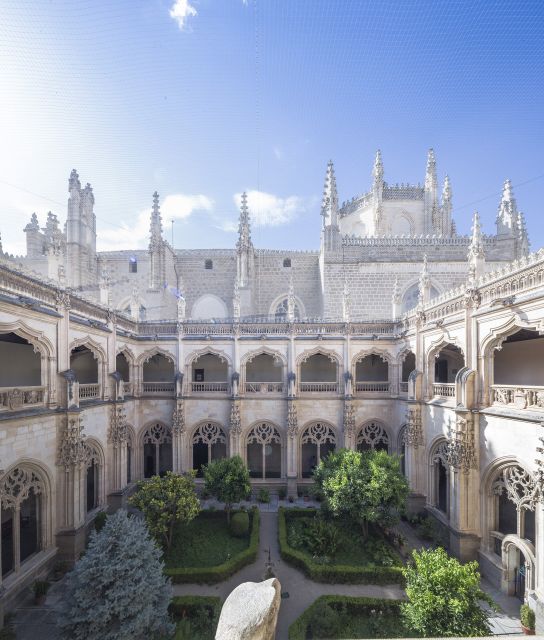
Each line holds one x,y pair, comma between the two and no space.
166,501
228,481
117,590
444,596
367,487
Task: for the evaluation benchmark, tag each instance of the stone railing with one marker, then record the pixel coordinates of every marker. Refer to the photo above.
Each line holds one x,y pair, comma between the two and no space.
526,397
158,387
403,387
263,387
14,398
89,391
209,387
376,387
444,389
318,387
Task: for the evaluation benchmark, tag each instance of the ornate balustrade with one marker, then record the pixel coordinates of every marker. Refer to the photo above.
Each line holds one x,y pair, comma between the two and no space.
89,391
376,387
158,387
263,387
209,387
318,387
403,387
14,398
525,397
444,389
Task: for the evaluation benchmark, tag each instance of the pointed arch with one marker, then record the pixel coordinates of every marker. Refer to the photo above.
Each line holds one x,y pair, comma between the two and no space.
277,355
127,352
317,439
40,342
384,354
373,435
156,445
209,441
281,302
195,355
264,449
154,351
308,353
94,347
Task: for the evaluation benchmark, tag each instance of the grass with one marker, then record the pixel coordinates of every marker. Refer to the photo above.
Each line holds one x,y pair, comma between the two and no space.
337,617
204,542
196,617
353,549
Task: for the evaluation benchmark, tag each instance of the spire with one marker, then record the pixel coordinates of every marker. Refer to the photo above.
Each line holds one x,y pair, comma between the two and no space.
432,213
329,205
33,225
446,226
446,191
522,235
73,181
244,228
377,171
508,210
424,282
396,299
430,172
155,229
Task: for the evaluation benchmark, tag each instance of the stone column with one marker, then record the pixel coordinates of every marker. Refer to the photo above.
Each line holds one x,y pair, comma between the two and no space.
349,424
117,438
179,433
235,430
415,464
292,447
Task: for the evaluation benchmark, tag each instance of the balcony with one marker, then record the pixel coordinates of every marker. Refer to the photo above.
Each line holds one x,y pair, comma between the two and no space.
16,398
159,388
209,387
263,387
372,387
89,391
318,387
516,397
444,390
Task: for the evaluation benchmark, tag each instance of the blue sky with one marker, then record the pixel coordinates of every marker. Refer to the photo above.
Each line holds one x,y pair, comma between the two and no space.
201,100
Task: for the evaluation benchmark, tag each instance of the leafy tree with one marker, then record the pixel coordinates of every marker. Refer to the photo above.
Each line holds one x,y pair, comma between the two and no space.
366,487
444,596
228,481
117,591
166,501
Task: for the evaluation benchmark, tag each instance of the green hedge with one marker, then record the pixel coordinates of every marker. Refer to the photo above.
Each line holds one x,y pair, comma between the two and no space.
188,604
355,605
211,575
333,573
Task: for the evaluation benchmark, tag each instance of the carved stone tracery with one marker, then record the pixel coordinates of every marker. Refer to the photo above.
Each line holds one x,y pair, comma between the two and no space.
15,487
157,434
461,446
372,434
235,419
318,433
349,418
178,418
292,420
519,485
209,433
263,433
413,434
71,449
118,433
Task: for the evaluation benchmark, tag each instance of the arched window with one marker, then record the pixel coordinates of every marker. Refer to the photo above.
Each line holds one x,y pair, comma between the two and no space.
157,450
158,374
209,443
372,436
372,373
440,477
122,367
282,309
319,372
408,365
264,451
317,441
93,463
84,364
263,373
209,373
411,296
21,492
447,364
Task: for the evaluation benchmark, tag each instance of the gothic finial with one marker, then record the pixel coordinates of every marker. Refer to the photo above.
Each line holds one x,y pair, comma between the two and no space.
73,182
329,204
346,302
236,300
377,171
396,291
33,225
431,162
244,227
446,191
508,210
155,228
476,242
424,284
291,301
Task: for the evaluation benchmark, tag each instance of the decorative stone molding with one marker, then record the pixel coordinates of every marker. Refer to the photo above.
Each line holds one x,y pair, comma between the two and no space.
72,441
519,485
235,422
461,446
118,432
349,418
292,420
318,433
15,486
178,418
157,434
413,435
373,433
263,433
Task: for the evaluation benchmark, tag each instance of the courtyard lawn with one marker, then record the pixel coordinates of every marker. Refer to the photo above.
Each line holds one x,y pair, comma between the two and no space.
196,617
336,617
346,556
205,550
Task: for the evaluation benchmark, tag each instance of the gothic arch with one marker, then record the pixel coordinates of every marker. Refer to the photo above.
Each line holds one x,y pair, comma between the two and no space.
127,352
155,447
404,214
319,434
278,357
403,353
285,296
156,431
412,284
154,351
37,339
209,440
384,354
268,440
439,476
195,355
495,338
373,434
94,347
222,308
443,341
329,353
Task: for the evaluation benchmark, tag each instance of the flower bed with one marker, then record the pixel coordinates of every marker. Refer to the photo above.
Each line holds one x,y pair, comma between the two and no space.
349,564
208,540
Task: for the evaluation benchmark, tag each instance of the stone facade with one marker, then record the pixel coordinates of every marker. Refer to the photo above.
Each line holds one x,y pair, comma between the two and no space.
308,356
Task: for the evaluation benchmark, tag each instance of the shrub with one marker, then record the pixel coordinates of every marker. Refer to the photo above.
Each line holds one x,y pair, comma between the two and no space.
527,616
41,587
322,537
327,623
117,591
264,496
282,493
444,596
228,481
331,573
212,575
239,524
100,520
197,616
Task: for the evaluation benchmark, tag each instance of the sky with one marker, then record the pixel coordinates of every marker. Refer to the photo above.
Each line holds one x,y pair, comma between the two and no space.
203,99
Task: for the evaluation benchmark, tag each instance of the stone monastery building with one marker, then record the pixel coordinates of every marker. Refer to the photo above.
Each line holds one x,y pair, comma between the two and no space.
396,334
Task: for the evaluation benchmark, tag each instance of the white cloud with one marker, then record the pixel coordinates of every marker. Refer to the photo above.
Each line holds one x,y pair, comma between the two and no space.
268,210
177,206
180,11
278,152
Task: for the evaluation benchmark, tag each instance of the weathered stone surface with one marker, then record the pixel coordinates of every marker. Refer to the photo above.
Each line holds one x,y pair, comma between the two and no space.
250,612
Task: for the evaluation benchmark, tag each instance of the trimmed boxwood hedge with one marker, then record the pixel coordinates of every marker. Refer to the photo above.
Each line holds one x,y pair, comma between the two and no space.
187,605
355,605
332,573
211,575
